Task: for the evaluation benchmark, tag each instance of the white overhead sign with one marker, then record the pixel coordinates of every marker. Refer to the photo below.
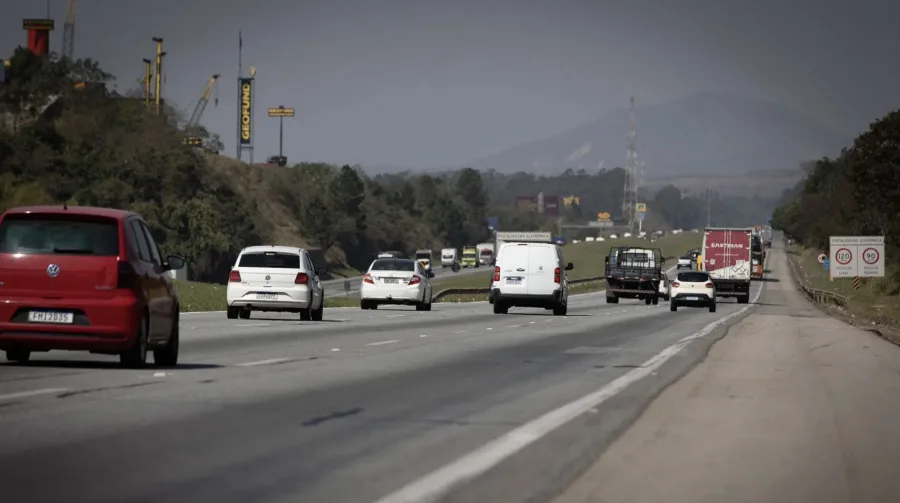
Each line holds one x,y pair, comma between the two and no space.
853,256
524,236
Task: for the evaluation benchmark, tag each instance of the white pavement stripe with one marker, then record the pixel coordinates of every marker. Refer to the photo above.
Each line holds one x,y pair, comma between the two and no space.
265,362
438,483
25,394
381,343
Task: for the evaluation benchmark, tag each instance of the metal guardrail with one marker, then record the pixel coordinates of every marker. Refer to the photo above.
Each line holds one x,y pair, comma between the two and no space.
486,290
814,294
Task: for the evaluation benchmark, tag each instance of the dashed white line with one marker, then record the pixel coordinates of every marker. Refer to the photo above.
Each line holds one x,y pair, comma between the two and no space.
461,332
334,350
514,326
395,316
489,328
24,394
264,362
381,343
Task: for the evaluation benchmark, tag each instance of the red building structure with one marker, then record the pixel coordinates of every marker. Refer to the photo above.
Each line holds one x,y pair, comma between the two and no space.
38,35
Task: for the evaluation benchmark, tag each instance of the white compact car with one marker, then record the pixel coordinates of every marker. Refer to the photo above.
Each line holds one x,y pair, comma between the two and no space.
530,275
684,262
396,281
693,289
275,278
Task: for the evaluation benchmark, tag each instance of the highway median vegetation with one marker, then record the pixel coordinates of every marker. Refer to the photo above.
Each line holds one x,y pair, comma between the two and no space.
857,193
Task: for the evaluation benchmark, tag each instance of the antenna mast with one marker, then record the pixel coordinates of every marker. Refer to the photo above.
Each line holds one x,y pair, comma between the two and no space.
629,201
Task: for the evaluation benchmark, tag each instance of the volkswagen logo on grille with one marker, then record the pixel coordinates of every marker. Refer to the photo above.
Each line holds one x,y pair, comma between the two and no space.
53,270
268,277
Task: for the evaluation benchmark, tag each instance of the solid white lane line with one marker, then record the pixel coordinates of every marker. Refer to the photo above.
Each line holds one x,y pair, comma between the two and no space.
381,343
263,362
24,394
438,483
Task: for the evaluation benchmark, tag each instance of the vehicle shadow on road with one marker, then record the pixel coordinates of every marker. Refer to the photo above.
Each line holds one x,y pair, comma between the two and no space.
323,320
111,365
770,280
544,314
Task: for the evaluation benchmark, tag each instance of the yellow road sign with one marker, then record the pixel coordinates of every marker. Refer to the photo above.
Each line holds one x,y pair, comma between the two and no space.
281,112
641,207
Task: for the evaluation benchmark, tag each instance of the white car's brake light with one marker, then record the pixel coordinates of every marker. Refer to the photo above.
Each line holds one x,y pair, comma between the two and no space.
368,279
301,279
676,284
709,285
414,280
234,277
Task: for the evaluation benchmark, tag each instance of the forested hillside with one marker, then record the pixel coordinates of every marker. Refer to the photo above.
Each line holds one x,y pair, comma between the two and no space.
86,145
856,193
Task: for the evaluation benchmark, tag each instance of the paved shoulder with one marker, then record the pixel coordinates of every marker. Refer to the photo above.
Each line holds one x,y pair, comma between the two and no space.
792,405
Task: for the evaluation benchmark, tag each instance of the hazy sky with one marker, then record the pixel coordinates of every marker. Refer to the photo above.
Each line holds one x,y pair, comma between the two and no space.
430,83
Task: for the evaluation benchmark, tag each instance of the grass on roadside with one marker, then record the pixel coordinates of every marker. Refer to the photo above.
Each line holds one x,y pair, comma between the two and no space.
871,302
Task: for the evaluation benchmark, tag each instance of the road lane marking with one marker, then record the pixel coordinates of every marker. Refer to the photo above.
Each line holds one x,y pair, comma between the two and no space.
423,335
334,350
461,332
381,343
24,394
514,326
433,486
395,316
264,362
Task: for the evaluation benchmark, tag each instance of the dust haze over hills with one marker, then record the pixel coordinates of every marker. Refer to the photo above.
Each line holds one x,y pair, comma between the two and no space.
706,138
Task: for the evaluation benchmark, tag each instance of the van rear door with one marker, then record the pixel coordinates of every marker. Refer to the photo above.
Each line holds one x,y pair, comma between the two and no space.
514,270
542,263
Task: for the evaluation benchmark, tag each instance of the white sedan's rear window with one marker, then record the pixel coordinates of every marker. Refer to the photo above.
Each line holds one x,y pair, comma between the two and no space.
693,277
270,260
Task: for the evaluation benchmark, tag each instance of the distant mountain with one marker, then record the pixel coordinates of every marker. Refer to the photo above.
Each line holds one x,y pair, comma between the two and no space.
702,134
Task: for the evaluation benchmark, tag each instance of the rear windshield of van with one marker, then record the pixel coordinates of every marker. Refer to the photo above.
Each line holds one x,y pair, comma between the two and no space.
393,265
59,235
272,260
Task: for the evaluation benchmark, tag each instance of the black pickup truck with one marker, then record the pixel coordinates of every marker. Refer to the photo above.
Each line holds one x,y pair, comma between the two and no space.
633,273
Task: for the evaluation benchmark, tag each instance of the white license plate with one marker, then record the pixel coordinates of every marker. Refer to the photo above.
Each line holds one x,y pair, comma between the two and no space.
267,296
513,281
692,298
392,281
50,317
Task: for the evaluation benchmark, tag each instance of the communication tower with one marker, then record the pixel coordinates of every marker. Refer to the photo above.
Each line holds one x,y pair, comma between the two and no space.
629,201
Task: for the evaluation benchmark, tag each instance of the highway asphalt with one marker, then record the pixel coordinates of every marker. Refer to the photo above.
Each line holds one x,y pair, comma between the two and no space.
391,405
336,287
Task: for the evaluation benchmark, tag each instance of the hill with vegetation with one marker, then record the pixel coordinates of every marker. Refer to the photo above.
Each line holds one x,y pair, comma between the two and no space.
854,194
66,137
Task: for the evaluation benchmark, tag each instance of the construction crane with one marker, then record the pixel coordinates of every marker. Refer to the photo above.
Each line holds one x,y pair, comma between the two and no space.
194,121
69,31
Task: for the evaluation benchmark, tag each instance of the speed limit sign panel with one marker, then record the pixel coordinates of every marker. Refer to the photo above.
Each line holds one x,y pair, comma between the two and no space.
853,256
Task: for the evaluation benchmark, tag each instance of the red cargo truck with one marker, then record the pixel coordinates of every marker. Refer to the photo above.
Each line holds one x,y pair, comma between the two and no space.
727,259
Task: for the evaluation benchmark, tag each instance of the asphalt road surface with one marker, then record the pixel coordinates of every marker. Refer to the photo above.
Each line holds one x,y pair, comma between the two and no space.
335,287
391,405
792,406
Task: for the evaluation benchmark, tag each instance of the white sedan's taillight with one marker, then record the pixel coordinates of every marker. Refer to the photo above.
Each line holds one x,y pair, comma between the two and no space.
414,281
368,279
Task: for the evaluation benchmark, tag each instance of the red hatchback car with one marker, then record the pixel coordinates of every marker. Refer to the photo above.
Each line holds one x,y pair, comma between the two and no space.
85,279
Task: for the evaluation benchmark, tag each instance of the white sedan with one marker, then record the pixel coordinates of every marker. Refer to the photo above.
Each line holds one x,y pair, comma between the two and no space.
396,281
694,289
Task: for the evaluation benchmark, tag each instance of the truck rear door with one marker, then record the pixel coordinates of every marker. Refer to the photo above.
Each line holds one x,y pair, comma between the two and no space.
514,270
726,253
542,263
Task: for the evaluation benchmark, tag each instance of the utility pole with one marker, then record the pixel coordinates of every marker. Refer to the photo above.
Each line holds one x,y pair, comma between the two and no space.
148,77
281,112
159,58
629,201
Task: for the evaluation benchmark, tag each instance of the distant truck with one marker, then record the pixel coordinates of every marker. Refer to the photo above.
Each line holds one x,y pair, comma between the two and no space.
469,256
448,257
633,273
485,253
766,235
757,257
424,257
727,258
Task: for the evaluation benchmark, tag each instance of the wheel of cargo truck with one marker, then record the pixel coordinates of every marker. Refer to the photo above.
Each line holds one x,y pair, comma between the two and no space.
647,301
612,300
655,300
744,299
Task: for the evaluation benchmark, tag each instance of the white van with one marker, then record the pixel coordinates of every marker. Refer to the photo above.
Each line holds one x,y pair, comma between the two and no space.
275,278
530,275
